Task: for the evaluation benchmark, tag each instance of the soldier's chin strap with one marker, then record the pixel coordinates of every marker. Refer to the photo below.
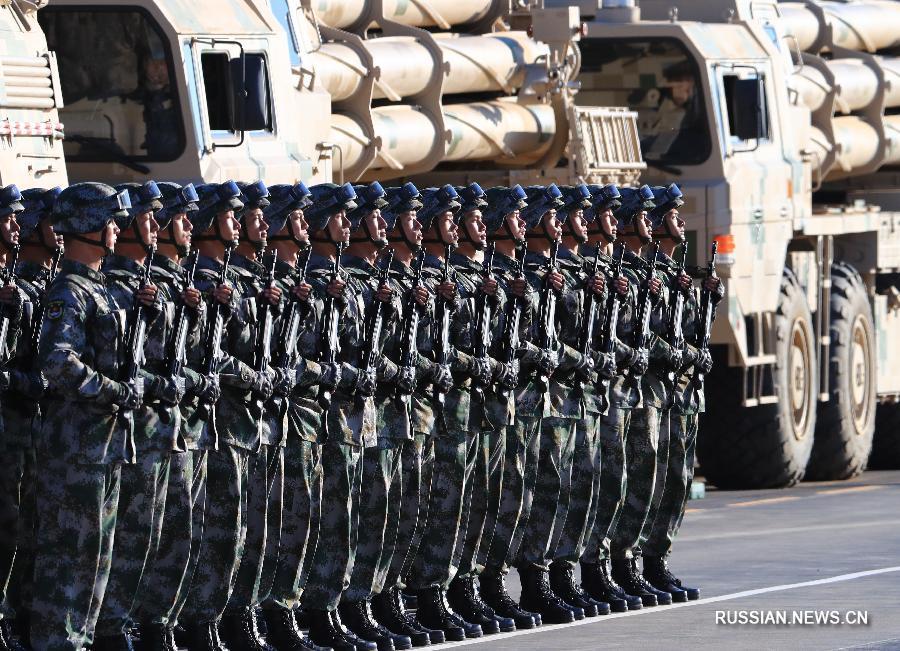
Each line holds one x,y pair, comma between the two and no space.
137,239
505,233
581,238
100,244
635,232
479,245
404,239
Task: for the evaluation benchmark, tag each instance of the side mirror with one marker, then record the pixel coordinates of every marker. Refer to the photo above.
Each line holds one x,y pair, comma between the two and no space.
250,93
751,120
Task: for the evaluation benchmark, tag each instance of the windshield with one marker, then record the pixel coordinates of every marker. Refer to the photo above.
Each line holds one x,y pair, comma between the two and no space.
660,81
116,73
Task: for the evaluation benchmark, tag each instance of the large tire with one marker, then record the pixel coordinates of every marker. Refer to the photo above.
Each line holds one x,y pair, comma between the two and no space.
766,446
845,424
886,446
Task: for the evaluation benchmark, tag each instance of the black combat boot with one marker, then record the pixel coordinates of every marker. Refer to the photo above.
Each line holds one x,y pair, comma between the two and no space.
350,636
157,637
465,600
656,571
562,582
239,628
387,608
596,580
323,632
538,597
282,631
7,641
357,616
627,575
492,589
204,637
434,613
118,642
663,598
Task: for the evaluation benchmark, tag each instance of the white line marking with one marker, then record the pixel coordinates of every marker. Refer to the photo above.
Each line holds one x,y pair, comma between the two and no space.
769,532
665,609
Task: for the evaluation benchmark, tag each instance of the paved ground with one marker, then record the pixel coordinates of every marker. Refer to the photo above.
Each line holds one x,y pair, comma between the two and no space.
819,547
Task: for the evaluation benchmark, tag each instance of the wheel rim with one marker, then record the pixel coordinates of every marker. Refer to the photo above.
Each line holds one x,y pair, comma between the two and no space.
799,378
860,376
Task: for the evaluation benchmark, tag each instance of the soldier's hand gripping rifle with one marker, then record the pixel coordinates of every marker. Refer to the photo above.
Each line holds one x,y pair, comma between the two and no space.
548,338
611,322
482,335
706,311
135,336
176,355
442,318
9,278
509,354
676,316
409,335
588,316
212,358
262,353
329,346
37,320
374,325
641,343
288,356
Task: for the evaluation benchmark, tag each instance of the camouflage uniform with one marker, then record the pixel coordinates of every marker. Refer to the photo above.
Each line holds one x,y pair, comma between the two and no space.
349,428
171,563
80,449
303,469
144,483
21,419
559,409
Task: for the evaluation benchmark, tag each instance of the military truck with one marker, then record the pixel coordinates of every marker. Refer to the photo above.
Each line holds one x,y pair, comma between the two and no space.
781,123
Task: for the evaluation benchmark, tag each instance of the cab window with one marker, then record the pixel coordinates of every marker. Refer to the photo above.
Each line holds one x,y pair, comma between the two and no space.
117,76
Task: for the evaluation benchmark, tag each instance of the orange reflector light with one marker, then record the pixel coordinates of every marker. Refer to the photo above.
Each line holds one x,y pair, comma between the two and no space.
725,242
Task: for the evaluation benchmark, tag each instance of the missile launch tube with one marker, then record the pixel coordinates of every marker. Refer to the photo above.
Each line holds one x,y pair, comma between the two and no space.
800,22
417,13
858,142
864,25
476,64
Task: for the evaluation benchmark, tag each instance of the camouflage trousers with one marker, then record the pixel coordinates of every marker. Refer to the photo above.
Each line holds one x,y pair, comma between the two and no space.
142,503
641,448
332,565
379,516
613,431
550,498
434,566
417,460
224,531
265,490
503,529
482,499
676,489
76,513
583,492
17,530
299,522
167,578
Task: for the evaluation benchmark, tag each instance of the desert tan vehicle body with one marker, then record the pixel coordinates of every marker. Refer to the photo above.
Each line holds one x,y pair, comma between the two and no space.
780,122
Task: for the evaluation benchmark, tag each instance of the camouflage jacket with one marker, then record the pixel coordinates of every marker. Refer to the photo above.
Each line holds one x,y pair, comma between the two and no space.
557,399
170,279
21,411
303,412
350,419
80,344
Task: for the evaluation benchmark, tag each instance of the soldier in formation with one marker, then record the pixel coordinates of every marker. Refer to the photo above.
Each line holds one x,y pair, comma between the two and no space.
291,418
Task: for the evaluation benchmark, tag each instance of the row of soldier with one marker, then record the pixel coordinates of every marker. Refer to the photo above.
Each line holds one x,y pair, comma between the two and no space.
237,412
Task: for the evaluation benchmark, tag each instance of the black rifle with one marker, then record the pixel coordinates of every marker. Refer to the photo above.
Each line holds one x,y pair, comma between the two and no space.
135,336
676,316
611,320
548,338
9,277
410,329
288,355
589,314
262,350
482,335
329,346
510,343
706,310
212,358
375,322
37,319
442,319
176,355
645,306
